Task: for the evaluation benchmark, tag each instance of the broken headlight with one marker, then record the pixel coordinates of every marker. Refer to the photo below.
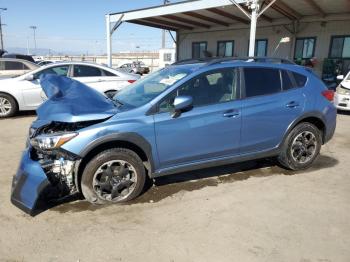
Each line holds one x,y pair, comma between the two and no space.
51,141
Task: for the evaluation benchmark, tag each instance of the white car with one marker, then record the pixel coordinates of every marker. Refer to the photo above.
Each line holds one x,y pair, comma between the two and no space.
342,95
25,93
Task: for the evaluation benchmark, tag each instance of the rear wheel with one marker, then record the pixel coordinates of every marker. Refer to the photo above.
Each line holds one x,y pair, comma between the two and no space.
301,147
113,176
8,106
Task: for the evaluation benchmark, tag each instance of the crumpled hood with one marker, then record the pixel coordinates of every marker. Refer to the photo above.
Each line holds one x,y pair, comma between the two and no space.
72,101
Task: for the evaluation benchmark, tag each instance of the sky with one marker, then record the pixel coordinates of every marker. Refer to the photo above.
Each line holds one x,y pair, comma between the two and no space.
76,26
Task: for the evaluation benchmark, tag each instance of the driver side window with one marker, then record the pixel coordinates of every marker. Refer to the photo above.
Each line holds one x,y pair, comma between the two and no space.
209,88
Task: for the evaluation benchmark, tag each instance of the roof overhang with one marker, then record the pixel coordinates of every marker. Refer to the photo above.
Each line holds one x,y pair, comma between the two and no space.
205,14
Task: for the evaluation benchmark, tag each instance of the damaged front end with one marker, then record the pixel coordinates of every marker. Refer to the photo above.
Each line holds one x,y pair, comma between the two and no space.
47,172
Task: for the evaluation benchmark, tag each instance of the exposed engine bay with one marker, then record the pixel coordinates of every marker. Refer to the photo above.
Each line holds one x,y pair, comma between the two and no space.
60,166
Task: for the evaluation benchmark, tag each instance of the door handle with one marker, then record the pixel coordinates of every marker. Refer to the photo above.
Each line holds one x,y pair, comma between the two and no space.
231,113
292,104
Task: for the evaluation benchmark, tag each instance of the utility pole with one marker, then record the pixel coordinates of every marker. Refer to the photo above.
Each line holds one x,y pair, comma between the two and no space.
1,37
34,28
163,32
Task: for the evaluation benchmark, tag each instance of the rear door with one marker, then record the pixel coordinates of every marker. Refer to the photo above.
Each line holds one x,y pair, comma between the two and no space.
271,104
96,78
14,68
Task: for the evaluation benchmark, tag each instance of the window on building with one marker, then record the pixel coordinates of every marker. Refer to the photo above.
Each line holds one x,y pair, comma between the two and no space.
305,48
167,57
198,49
261,81
340,47
225,48
261,47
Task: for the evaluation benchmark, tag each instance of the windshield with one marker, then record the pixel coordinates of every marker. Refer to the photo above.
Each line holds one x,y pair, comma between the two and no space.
144,90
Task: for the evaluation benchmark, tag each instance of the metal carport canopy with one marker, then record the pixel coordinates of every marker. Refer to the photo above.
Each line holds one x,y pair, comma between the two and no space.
205,14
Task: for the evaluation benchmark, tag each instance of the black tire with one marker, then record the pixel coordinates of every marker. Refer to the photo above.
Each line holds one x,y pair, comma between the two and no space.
286,158
121,154
12,102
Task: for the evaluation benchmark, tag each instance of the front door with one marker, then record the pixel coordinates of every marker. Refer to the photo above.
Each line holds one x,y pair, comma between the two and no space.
210,130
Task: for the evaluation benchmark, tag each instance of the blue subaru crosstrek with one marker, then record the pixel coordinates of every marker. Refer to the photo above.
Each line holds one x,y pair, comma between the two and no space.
190,115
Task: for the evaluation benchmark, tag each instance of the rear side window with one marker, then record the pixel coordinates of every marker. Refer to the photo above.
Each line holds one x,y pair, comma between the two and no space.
300,79
261,81
12,65
286,80
107,73
86,71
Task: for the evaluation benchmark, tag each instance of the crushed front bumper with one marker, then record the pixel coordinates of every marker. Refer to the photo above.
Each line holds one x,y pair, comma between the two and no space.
28,184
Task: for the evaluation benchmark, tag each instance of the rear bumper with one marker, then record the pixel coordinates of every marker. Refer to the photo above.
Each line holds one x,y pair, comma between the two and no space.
28,184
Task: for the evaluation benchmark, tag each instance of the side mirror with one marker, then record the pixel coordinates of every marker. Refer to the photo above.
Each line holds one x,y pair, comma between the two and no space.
340,77
182,104
29,78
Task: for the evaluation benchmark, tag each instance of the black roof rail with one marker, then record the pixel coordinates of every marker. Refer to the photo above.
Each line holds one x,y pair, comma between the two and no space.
217,60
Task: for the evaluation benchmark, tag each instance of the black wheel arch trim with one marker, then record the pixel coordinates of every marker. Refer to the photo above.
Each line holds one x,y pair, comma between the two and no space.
129,137
314,114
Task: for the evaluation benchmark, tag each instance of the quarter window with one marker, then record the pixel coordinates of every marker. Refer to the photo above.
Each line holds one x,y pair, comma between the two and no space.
86,71
261,81
299,79
340,47
208,88
198,49
305,48
225,48
286,81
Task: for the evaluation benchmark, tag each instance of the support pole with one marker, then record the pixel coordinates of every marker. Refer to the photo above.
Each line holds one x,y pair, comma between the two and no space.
254,17
109,40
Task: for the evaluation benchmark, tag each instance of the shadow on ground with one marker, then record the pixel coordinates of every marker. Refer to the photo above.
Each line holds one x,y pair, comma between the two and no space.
167,186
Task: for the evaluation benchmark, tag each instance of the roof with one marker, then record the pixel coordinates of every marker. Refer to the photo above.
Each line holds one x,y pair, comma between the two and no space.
205,14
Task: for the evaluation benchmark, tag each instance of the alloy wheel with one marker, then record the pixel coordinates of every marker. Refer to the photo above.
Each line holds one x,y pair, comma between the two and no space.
114,180
5,106
304,147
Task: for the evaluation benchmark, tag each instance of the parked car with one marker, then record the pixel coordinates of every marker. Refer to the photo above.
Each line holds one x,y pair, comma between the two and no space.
25,93
183,117
10,67
19,56
135,67
342,96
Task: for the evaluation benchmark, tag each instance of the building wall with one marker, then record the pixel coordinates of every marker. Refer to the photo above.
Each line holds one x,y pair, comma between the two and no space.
322,31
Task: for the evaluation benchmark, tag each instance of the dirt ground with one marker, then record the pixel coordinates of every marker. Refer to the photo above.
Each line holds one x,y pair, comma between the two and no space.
253,211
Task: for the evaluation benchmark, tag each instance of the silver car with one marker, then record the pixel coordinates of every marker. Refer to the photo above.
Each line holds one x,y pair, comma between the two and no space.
11,67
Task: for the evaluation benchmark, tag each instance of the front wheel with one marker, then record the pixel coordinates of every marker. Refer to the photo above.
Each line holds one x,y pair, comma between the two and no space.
8,106
301,147
113,176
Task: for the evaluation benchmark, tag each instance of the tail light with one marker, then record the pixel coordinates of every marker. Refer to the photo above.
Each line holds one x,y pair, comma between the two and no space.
329,95
131,81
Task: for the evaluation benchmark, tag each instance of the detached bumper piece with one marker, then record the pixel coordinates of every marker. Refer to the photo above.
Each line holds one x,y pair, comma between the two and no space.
28,184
